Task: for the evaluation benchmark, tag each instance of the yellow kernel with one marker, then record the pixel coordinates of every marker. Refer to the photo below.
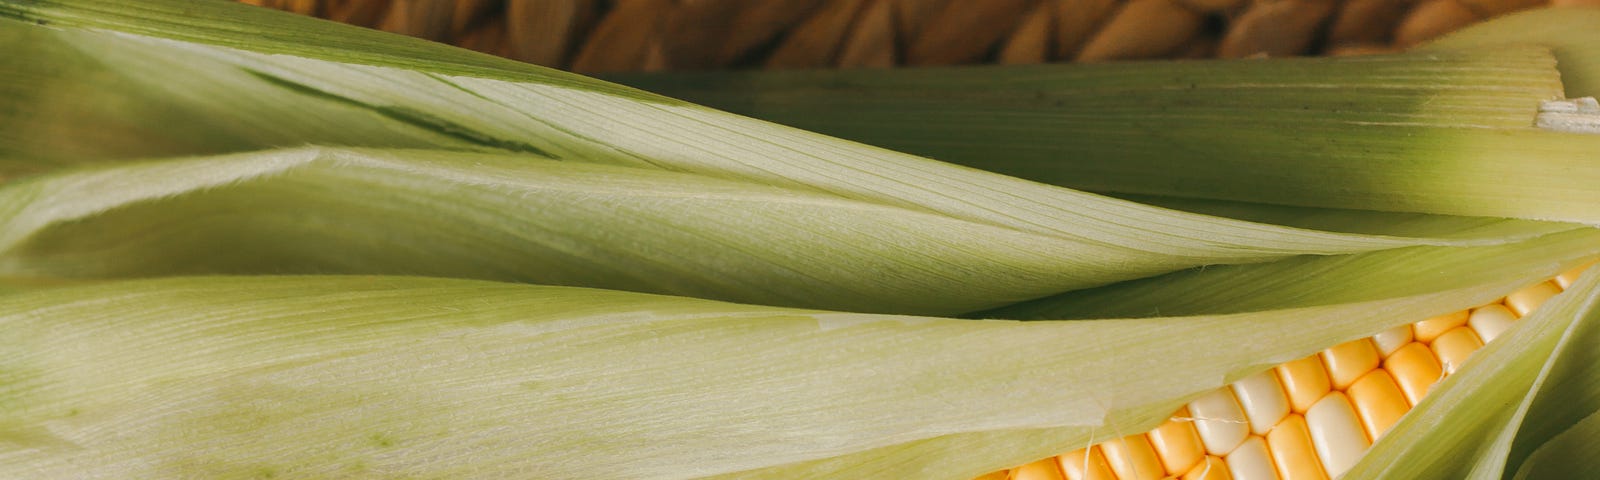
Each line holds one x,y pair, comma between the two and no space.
1292,451
1378,401
1177,444
1415,370
1453,348
1348,361
1213,468
1085,464
1528,299
1305,381
1046,469
1566,278
1132,458
1427,330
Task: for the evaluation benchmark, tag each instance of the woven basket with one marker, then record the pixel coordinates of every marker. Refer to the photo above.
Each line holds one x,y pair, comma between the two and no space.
594,36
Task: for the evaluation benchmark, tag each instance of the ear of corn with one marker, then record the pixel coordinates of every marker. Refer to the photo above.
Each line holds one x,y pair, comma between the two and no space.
989,240
1447,130
362,211
454,214
1496,437
241,376
1314,417
470,166
606,226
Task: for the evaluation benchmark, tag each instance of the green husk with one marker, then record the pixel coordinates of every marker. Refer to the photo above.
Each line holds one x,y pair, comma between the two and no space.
1569,33
514,218
170,138
1568,396
374,377
1449,130
988,240
1304,281
267,31
300,95
1369,222
1555,459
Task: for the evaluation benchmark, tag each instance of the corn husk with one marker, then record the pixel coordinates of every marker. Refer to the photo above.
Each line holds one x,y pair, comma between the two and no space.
967,240
364,377
168,138
1337,279
1444,130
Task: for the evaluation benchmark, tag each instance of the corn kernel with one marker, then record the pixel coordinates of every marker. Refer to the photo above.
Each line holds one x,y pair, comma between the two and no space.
1212,468
1085,464
1490,321
1251,461
1566,278
1305,381
1292,452
1220,421
1263,400
1177,444
1392,339
1415,370
1132,458
1378,401
1336,433
1527,299
1427,330
1453,348
1040,470
1348,361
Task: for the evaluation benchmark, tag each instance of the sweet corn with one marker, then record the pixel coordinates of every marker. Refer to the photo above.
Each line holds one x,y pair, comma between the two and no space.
1311,418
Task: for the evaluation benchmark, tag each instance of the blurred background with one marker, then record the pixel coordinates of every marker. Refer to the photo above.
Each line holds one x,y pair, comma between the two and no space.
599,36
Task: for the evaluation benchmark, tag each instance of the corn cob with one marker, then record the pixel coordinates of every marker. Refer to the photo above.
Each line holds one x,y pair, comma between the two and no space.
1311,418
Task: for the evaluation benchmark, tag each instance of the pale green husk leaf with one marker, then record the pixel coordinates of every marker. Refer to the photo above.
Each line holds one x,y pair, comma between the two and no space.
376,377
504,216
1370,222
289,97
519,218
533,220
1444,131
1561,411
1305,281
169,137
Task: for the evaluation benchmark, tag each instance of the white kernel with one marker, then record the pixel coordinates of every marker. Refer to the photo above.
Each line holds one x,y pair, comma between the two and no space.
1263,401
1336,433
1220,421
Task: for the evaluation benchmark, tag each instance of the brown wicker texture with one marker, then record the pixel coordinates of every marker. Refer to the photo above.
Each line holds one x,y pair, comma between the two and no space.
595,36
